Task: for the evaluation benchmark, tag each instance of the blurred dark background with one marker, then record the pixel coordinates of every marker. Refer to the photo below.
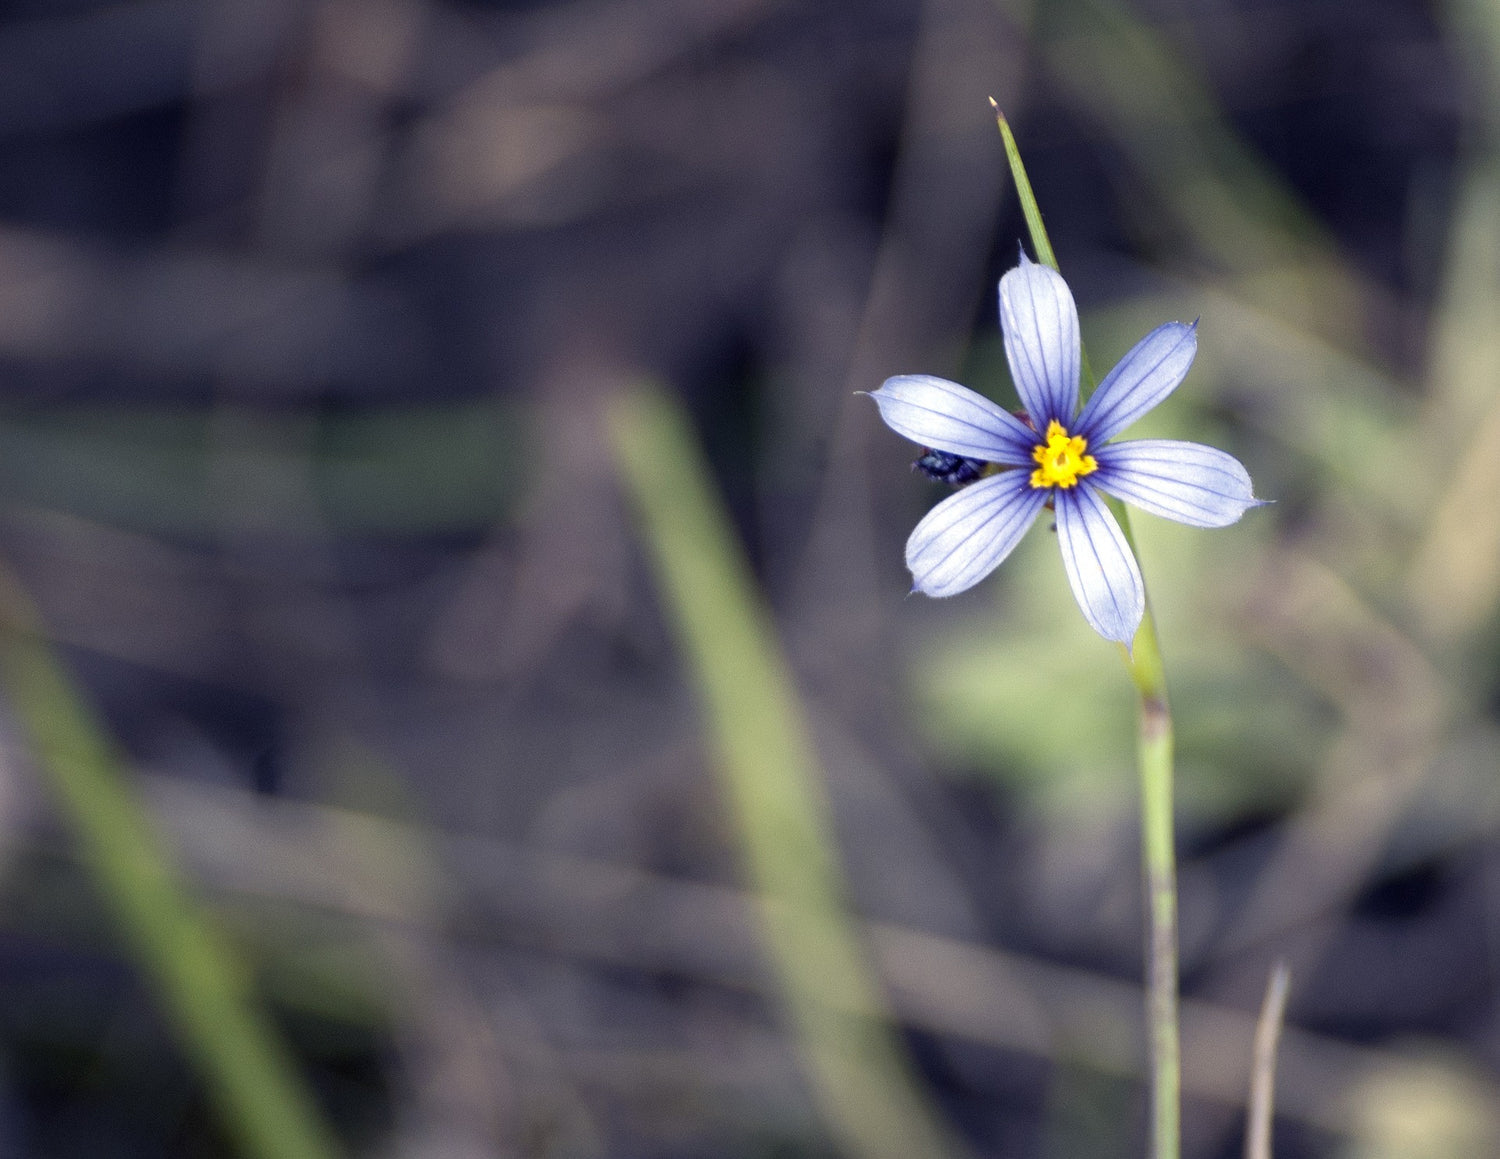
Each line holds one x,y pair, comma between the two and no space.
307,314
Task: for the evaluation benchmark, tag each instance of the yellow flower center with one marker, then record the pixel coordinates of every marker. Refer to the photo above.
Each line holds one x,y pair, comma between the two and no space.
1062,458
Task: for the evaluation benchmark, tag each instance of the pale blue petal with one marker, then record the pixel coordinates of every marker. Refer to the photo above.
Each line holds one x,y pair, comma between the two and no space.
949,417
1187,482
1151,371
1101,569
966,536
1040,324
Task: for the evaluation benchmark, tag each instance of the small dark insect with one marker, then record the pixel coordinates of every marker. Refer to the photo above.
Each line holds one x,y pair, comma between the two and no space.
944,467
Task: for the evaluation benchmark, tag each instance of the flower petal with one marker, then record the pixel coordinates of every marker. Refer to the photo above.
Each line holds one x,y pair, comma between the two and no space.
1040,324
1151,371
1101,569
948,417
1187,482
966,536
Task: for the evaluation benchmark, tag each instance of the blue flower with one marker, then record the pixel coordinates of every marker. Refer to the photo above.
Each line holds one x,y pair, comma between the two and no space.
1064,458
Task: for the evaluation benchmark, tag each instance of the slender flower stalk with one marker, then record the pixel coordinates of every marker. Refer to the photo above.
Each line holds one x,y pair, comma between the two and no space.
1154,758
1057,453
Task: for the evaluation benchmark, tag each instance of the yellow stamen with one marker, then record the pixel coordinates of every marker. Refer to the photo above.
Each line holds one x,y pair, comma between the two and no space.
1062,458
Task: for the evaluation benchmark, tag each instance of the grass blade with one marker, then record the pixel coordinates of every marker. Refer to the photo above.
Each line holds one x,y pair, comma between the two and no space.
250,1075
774,787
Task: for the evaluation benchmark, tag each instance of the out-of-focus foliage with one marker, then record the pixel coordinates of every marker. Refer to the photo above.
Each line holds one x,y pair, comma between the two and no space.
309,313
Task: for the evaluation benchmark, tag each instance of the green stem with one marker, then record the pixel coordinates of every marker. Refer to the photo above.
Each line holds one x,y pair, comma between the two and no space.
1159,862
1143,660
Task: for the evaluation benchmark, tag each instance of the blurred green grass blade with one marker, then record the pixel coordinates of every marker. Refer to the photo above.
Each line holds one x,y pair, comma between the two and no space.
771,778
248,1072
1206,183
1472,28
1454,579
380,470
1235,204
